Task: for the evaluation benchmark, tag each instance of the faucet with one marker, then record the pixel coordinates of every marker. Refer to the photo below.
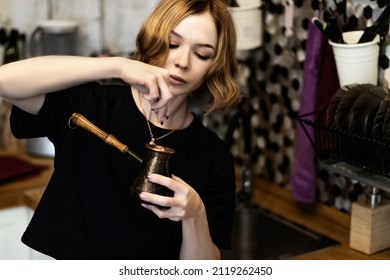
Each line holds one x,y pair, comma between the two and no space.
241,119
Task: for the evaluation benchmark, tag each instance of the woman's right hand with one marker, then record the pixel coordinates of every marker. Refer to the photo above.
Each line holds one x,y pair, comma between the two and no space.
151,82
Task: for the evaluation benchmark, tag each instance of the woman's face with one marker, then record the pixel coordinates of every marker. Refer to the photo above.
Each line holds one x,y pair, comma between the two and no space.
192,49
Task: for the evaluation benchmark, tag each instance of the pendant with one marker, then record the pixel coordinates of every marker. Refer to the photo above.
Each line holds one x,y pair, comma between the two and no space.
152,141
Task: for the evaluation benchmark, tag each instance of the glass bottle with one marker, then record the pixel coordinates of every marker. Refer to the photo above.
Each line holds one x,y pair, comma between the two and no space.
11,50
233,3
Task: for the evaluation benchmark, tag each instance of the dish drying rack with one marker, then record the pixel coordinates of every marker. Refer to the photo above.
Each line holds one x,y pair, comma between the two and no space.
354,156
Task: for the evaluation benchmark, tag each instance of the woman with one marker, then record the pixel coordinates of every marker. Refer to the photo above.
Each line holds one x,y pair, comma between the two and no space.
86,211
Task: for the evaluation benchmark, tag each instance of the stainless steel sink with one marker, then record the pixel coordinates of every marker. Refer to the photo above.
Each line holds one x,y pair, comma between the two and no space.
261,235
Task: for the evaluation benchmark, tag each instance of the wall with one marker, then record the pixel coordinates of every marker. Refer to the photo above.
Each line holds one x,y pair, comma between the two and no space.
104,24
275,85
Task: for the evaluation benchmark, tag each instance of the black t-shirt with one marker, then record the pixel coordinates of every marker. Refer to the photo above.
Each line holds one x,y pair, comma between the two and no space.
86,211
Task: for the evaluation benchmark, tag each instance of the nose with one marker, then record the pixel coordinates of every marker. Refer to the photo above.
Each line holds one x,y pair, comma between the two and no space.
182,59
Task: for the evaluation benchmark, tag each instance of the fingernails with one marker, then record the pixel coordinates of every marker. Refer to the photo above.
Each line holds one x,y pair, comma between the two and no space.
165,118
142,196
162,120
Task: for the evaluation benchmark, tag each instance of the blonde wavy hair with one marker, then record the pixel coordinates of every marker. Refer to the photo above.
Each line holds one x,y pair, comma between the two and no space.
153,45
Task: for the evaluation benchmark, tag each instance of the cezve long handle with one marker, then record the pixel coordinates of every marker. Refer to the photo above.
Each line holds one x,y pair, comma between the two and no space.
81,121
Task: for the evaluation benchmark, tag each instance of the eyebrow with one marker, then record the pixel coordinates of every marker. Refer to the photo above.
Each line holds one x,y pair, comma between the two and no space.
200,45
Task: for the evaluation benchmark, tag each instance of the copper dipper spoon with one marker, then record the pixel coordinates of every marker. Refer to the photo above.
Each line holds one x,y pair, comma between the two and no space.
81,121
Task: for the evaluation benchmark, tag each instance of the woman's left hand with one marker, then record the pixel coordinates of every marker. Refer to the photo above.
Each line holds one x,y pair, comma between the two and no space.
185,204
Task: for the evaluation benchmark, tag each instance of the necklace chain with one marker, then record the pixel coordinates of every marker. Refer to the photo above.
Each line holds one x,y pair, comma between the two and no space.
152,139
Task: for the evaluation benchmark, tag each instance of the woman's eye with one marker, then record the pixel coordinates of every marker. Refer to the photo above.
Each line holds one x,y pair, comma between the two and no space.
173,46
202,57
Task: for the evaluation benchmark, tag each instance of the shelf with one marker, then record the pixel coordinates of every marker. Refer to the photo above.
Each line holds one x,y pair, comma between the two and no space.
354,156
362,175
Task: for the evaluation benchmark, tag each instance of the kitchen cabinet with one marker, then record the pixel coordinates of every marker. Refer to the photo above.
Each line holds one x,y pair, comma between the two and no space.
18,200
13,222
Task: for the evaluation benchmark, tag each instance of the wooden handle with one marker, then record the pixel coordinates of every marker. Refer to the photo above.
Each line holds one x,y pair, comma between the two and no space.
109,139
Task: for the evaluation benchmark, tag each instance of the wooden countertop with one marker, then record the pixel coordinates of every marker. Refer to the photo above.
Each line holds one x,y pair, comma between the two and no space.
318,217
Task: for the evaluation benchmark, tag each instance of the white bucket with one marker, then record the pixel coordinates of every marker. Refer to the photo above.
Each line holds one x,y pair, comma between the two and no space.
356,63
249,24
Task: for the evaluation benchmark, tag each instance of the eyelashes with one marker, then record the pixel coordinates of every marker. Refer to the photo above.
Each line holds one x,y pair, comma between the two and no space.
197,54
202,57
173,46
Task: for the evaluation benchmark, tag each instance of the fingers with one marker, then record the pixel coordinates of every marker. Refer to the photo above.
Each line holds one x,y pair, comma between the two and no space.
164,201
162,114
164,95
170,183
162,213
152,82
141,89
157,93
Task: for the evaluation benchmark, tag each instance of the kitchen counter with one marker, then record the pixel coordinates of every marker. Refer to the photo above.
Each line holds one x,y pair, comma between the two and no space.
318,217
25,191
